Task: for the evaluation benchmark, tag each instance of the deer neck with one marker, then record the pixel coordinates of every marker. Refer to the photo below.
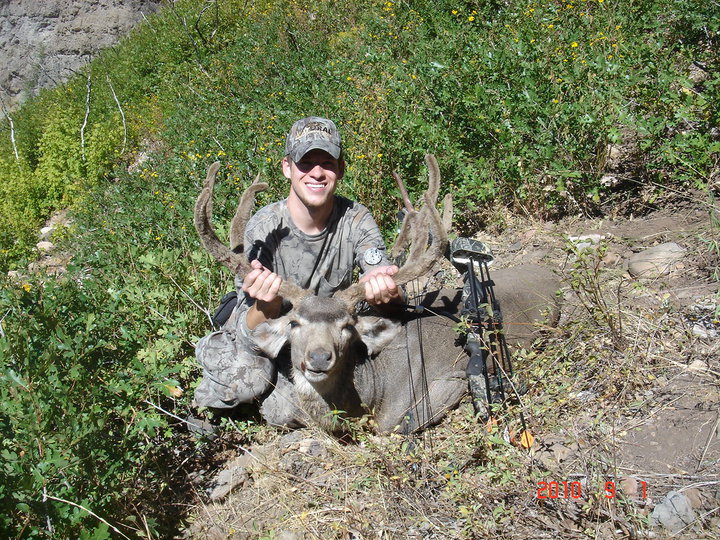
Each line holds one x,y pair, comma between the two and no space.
321,401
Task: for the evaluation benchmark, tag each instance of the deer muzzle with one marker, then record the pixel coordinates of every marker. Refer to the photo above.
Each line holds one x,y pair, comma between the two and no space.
318,365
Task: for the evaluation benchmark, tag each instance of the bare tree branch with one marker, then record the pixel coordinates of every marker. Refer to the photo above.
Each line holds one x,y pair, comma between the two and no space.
207,6
87,113
122,114
182,20
12,128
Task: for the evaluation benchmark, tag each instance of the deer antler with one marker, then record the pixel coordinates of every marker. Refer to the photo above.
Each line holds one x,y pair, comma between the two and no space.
237,262
203,225
404,238
422,257
242,214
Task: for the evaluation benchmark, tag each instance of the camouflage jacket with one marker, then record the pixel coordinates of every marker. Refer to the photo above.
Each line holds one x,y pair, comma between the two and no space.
323,262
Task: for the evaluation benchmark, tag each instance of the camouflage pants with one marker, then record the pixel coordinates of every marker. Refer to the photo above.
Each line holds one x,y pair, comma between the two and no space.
233,372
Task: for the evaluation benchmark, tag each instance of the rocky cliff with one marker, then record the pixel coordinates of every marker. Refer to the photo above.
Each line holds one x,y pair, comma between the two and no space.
42,42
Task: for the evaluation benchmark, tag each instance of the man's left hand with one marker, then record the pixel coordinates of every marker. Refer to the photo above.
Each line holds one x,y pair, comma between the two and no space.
380,287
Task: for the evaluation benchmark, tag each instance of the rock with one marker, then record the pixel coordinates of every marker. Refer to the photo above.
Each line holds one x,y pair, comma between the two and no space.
312,447
226,481
609,180
698,366
560,452
289,535
697,73
611,259
655,261
527,296
586,240
706,333
45,232
290,440
197,477
45,245
200,427
674,512
695,497
583,396
629,486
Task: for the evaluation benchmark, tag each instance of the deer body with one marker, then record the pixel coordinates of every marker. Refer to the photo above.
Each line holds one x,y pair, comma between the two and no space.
406,373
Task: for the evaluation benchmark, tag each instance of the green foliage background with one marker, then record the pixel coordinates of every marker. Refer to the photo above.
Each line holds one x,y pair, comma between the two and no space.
518,100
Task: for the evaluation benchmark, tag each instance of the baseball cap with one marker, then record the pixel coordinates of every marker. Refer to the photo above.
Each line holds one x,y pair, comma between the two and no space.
313,133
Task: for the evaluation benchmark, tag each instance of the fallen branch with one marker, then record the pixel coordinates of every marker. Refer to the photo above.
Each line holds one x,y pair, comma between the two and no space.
93,514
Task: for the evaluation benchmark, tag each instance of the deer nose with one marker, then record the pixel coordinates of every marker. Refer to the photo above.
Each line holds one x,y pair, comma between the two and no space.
320,360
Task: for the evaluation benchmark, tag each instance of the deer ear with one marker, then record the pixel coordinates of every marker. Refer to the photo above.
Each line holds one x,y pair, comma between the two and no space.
376,332
271,336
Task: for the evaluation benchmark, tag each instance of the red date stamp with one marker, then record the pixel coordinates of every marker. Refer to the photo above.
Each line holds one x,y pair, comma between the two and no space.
573,490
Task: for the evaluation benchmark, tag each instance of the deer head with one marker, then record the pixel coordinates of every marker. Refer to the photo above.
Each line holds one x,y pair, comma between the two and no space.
322,330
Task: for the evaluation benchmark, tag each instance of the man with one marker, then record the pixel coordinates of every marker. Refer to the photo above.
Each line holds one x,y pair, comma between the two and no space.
313,237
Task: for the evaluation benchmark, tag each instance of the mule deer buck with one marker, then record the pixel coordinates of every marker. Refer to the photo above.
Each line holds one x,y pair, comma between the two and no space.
406,373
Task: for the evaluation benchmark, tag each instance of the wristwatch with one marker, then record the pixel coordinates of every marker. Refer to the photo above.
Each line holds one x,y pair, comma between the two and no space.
372,256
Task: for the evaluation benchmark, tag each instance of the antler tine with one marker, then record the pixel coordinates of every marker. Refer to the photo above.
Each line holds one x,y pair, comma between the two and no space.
419,241
404,236
288,290
237,262
418,265
447,212
433,180
242,214
403,192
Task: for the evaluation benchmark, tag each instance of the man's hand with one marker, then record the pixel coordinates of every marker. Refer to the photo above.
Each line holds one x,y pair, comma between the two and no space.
380,287
262,285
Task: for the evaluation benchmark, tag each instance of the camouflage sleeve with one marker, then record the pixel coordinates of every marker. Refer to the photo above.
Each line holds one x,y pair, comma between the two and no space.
369,237
258,245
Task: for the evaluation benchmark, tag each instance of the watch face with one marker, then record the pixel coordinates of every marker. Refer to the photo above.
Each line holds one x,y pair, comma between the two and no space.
373,256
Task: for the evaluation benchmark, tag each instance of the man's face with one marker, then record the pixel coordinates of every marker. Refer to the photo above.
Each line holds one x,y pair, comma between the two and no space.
314,178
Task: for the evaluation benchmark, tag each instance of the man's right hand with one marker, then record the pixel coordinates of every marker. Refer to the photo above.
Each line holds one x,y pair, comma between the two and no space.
262,285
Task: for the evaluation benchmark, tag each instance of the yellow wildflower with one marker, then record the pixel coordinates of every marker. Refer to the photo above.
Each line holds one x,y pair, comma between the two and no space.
26,286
